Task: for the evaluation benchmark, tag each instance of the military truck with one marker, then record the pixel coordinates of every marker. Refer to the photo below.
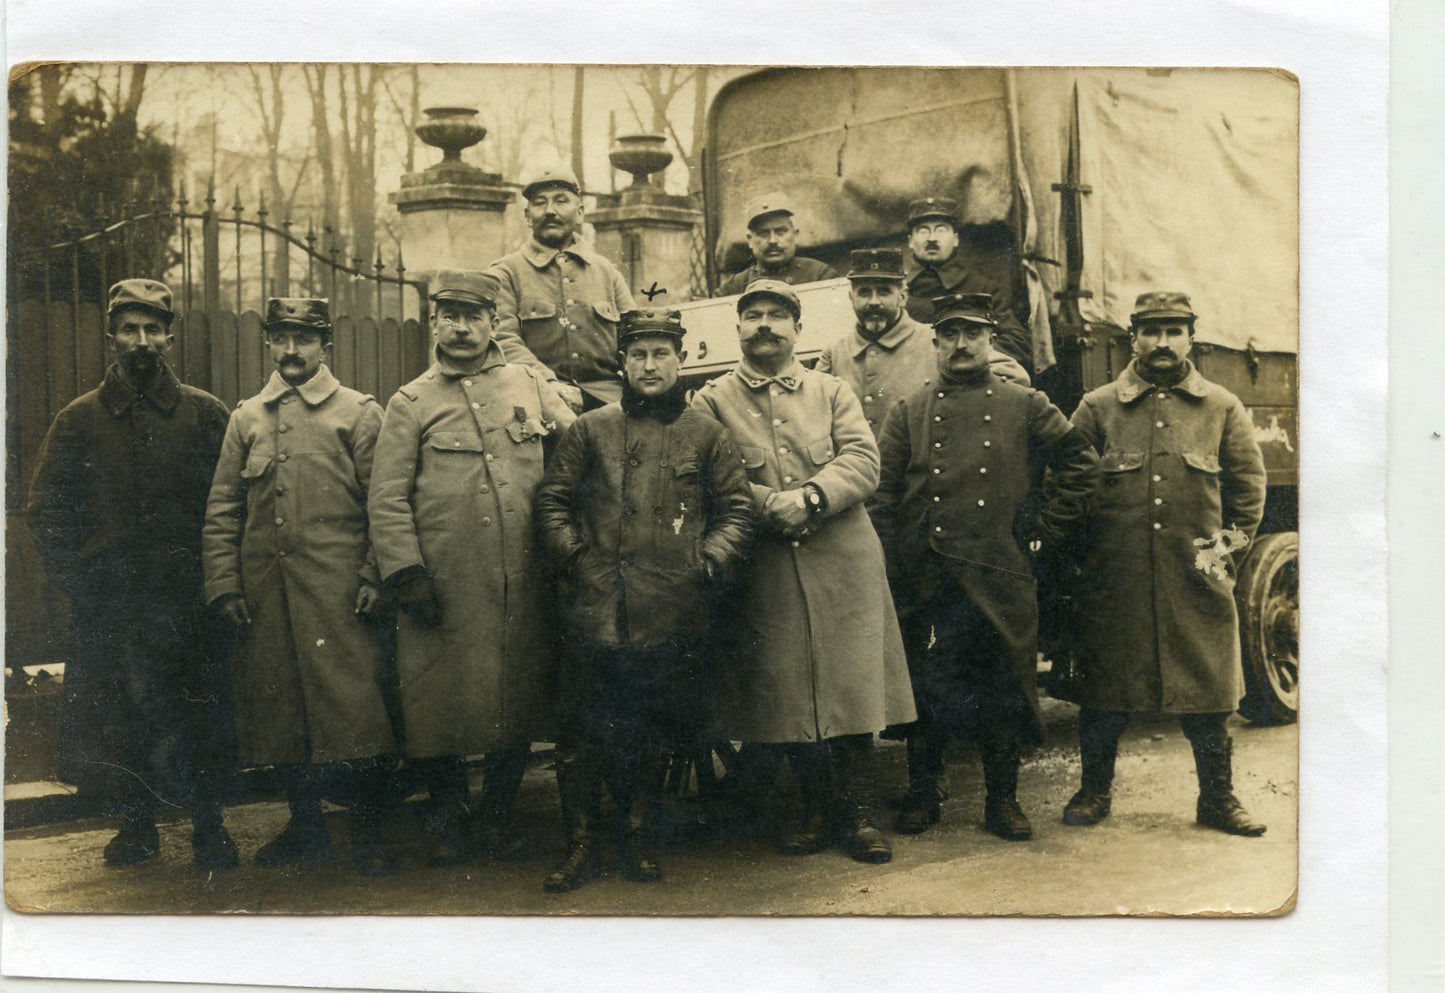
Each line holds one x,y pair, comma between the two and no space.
1087,186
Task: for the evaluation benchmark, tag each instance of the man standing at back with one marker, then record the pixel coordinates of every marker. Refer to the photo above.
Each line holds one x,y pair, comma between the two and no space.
561,298
773,239
941,263
116,509
888,354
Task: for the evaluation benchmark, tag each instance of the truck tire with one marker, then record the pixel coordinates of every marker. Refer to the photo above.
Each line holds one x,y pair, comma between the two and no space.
1267,593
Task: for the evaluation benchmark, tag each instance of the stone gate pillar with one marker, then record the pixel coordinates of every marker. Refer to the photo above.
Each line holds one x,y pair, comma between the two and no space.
452,214
645,231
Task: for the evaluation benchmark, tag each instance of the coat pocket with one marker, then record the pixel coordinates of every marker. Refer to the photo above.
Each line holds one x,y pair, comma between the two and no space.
752,455
606,312
454,441
256,466
1113,463
1202,462
536,309
821,452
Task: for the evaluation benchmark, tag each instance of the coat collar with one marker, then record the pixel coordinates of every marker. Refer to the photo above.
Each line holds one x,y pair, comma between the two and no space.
789,379
118,392
315,391
950,272
491,358
890,339
540,256
1132,385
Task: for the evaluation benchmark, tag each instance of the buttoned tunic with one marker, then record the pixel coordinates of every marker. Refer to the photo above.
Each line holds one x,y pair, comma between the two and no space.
116,509
972,269
457,464
286,529
800,269
562,307
1153,631
901,360
820,652
962,481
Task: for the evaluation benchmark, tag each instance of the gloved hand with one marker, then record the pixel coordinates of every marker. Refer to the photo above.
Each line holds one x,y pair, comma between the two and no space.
571,395
232,608
416,596
370,603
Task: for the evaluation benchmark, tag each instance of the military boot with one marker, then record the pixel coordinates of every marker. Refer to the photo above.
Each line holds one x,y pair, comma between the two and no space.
448,814
636,798
502,772
137,841
812,768
1098,750
856,776
920,807
1002,814
211,844
1218,807
580,789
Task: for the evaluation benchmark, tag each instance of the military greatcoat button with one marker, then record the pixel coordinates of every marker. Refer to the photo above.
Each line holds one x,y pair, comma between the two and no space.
281,457
486,522
280,521
782,449
486,488
476,406
466,382
868,399
940,395
988,393
777,421
983,470
938,444
981,503
988,444
987,417
1158,501
938,529
491,457
1156,478
1157,525
787,479
1163,396
1158,424
937,418
937,471
936,499
284,428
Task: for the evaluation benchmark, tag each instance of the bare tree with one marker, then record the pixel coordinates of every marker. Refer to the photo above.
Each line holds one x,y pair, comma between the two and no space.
321,140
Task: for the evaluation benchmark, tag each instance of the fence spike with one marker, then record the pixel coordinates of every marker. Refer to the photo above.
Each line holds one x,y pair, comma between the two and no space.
261,211
399,267
236,203
286,225
380,265
210,192
311,233
181,200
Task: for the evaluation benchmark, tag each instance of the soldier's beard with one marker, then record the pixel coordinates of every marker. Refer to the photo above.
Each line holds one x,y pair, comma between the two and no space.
140,364
874,322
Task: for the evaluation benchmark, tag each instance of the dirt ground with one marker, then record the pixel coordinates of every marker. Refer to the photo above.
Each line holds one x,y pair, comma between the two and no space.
1147,858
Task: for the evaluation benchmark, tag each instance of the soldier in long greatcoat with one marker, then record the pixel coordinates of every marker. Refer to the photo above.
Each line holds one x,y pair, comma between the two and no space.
287,563
961,498
1156,628
820,665
116,510
459,458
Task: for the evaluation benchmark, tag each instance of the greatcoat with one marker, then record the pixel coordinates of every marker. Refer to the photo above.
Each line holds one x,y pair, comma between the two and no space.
457,464
558,312
901,360
963,482
116,509
286,529
1153,631
820,654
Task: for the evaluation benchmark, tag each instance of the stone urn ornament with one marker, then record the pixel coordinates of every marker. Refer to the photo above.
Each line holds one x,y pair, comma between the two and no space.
641,155
451,129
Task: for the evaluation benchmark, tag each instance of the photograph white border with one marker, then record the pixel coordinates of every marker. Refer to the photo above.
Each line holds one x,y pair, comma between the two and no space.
1334,941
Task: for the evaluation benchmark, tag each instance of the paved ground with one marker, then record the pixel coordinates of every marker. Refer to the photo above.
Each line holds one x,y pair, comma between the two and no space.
1148,858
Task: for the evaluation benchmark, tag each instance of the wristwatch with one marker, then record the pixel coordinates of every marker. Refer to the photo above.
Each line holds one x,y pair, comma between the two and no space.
813,498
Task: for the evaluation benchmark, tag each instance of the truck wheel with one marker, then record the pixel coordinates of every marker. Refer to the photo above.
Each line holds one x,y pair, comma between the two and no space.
1267,593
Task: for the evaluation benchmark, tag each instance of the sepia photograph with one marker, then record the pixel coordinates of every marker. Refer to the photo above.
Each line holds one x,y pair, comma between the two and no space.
652,490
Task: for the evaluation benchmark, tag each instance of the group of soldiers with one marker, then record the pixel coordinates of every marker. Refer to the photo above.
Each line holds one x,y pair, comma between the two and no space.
558,542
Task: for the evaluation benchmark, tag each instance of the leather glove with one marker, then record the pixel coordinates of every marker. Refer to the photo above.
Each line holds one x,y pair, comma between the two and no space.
416,596
232,608
371,603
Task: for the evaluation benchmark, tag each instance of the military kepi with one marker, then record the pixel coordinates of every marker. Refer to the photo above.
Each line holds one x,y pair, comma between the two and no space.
933,208
1162,305
149,294
464,286
650,320
777,290
767,205
977,308
558,176
309,313
876,263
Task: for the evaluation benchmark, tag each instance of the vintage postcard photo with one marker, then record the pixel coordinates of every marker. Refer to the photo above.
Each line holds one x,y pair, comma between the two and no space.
652,490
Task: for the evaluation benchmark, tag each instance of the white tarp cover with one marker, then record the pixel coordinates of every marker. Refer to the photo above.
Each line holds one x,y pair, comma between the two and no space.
1195,187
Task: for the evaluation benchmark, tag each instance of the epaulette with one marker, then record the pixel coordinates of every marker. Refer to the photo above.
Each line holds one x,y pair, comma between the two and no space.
367,398
407,392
